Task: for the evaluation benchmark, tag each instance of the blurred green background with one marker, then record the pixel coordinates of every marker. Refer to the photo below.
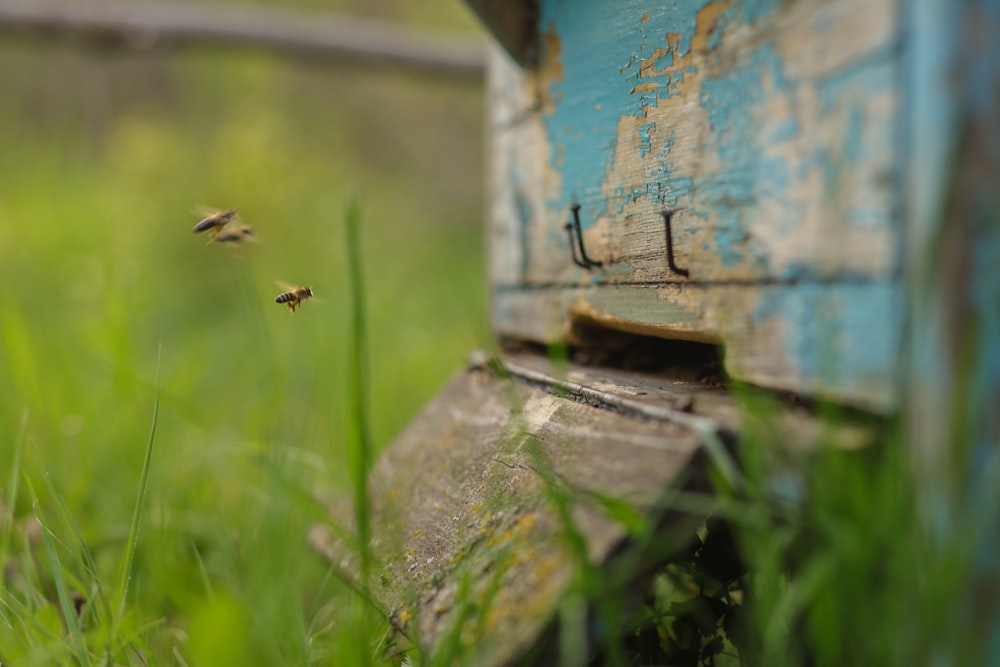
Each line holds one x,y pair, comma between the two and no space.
103,156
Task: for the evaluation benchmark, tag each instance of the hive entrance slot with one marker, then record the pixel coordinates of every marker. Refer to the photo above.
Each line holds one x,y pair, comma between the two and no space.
595,345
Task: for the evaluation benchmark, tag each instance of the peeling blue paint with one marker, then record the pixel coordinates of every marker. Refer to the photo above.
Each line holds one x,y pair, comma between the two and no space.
602,47
523,208
742,173
787,129
870,75
756,9
524,211
644,139
772,177
852,135
716,36
730,238
582,128
839,334
607,83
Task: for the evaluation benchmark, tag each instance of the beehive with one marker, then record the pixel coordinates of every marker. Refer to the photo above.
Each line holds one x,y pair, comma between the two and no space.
749,173
810,185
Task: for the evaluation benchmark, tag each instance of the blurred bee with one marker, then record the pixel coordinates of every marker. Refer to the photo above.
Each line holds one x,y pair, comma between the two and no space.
294,297
214,221
234,236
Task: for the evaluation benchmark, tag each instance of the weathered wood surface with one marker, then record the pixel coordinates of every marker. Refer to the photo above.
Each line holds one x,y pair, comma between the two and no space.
464,502
462,511
771,129
828,345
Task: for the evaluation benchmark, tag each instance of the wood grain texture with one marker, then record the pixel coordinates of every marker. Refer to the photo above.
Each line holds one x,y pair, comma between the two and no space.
815,340
773,132
463,508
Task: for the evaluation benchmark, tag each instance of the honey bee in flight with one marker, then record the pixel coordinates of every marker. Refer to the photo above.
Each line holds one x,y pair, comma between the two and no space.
294,296
234,236
214,221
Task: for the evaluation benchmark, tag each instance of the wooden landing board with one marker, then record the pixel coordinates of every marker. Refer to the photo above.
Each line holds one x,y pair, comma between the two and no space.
465,504
462,509
772,130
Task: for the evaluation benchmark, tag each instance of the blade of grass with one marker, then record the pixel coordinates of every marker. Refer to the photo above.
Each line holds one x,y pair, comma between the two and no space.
358,390
12,486
133,535
358,397
203,571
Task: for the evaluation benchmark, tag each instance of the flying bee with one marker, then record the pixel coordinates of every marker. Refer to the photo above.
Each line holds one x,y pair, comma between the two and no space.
213,222
234,235
294,297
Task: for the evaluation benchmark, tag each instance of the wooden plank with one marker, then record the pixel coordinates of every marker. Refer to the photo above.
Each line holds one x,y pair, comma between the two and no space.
839,341
464,508
462,496
683,387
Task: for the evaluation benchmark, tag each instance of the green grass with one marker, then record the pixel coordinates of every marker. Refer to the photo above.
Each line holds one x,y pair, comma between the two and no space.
835,557
114,307
193,552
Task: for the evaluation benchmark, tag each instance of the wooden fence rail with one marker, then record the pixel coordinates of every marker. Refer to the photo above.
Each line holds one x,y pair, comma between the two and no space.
297,34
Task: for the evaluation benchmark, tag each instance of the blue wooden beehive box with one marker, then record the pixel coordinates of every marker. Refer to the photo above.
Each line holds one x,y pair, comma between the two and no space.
750,173
811,185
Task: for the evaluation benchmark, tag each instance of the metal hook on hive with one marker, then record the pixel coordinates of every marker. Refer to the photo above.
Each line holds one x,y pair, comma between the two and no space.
667,215
573,229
